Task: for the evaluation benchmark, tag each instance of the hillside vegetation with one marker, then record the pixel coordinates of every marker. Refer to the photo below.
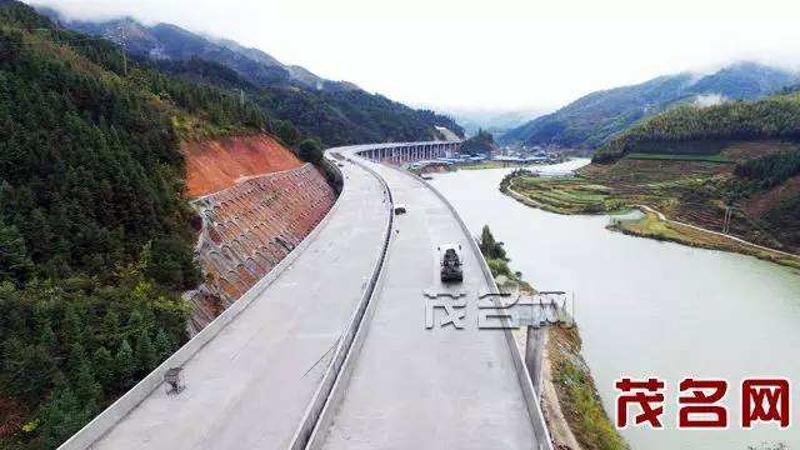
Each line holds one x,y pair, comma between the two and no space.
705,130
592,120
749,189
95,240
336,112
480,144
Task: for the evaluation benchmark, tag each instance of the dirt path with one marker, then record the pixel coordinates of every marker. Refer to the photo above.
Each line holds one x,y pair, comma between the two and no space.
664,218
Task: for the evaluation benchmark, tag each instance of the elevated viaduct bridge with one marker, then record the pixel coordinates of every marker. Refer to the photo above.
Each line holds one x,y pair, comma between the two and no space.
330,349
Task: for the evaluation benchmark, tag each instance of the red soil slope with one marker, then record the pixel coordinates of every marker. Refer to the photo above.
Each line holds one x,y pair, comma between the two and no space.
215,165
249,228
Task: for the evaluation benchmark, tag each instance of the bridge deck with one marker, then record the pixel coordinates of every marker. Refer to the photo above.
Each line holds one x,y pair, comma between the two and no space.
248,387
414,388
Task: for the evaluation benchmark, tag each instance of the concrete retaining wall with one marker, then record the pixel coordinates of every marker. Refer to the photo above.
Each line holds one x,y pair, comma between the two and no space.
248,229
106,420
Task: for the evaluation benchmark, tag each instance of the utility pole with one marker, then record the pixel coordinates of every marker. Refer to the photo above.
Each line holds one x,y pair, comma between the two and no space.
726,223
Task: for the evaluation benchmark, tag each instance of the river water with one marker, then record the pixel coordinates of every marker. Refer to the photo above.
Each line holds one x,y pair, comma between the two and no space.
647,308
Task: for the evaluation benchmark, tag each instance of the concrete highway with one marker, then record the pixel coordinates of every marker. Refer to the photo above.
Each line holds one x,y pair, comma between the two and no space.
249,387
260,378
417,388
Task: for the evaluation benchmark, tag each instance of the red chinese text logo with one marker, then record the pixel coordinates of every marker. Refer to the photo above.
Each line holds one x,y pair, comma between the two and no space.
647,395
765,401
700,402
699,409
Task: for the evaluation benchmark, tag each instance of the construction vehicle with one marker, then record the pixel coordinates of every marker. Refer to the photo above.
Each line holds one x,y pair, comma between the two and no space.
450,258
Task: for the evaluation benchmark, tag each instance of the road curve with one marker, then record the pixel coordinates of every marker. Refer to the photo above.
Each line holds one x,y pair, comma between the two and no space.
261,376
411,387
249,387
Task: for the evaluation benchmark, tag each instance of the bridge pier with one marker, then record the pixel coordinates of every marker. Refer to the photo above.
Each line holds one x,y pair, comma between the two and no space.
399,154
534,350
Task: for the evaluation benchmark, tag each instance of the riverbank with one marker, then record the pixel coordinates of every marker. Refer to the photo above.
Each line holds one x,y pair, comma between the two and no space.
656,226
570,401
628,289
481,165
588,194
567,375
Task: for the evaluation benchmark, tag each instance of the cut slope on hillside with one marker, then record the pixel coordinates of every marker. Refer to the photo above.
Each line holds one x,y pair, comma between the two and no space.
94,221
249,228
213,165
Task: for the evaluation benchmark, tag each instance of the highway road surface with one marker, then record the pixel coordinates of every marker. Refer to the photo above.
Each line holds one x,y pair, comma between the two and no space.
417,388
250,385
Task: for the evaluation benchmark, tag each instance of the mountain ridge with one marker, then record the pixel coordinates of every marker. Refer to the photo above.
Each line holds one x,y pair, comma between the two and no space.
593,119
338,112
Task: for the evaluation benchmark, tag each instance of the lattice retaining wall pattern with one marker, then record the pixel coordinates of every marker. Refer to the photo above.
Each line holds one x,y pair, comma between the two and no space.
248,229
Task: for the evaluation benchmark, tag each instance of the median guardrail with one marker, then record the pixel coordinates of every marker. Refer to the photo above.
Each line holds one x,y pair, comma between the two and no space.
335,373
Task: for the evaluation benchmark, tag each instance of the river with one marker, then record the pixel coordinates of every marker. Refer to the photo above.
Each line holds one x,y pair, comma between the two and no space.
648,308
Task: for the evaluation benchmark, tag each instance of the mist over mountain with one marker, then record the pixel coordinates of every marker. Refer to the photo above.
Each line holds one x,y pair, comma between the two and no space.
493,121
170,42
338,112
592,119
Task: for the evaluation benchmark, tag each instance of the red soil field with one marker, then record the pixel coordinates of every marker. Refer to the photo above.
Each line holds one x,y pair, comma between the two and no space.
215,165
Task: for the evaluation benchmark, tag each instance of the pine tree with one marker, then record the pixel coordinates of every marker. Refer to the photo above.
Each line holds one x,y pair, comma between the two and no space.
145,353
163,345
15,265
86,388
104,367
61,417
124,365
71,327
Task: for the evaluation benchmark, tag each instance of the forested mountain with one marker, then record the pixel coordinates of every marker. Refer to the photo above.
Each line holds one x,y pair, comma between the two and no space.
95,238
480,144
337,112
694,129
758,141
591,120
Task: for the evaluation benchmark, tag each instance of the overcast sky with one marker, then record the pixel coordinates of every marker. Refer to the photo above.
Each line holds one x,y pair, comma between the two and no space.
486,54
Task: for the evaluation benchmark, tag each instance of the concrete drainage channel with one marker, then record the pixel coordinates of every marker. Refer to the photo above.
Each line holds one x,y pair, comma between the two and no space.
349,342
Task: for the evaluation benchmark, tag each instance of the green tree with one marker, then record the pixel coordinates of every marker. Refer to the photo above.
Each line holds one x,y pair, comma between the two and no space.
61,417
145,353
288,133
86,387
490,247
124,365
163,345
103,364
15,265
310,150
